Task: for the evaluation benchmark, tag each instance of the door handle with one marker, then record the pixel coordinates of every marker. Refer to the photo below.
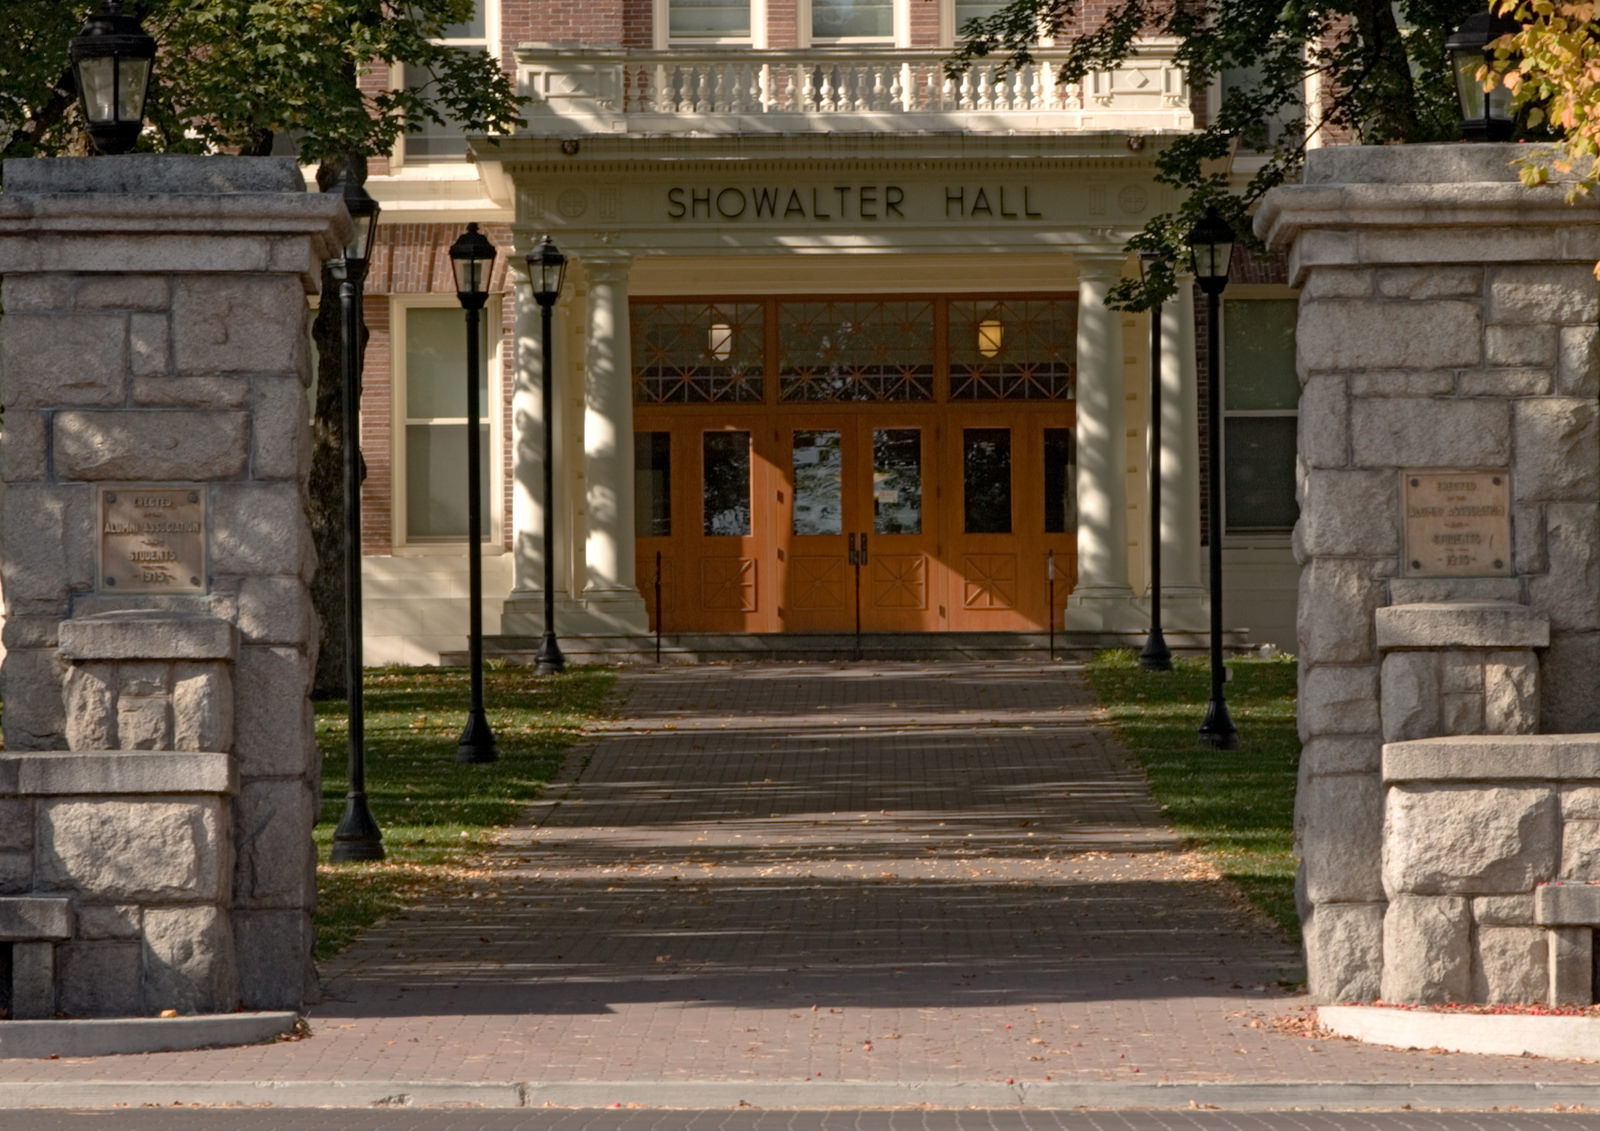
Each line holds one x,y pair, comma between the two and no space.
858,556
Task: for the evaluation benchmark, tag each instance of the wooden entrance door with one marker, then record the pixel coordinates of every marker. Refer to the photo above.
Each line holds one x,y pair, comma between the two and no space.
1009,517
715,539
859,521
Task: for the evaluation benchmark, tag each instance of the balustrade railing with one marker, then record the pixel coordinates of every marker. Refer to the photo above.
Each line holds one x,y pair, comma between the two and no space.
627,84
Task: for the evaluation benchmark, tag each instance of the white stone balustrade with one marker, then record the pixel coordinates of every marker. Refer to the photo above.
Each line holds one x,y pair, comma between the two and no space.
746,90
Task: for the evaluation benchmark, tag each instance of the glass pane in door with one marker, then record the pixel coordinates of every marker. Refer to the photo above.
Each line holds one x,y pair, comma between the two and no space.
1060,482
818,467
986,458
652,484
727,483
897,480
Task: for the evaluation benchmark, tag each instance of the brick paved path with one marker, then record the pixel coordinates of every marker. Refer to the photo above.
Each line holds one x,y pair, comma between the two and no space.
879,873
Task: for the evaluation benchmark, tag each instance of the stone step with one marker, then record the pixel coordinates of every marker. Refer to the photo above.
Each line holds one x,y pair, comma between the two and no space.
708,647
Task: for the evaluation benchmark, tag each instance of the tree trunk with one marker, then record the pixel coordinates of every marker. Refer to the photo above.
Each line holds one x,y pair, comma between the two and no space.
326,509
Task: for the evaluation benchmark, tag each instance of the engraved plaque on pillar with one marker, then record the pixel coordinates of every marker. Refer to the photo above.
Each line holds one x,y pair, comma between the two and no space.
1457,523
152,539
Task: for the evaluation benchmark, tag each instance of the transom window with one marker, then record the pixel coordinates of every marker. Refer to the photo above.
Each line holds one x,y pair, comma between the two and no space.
800,351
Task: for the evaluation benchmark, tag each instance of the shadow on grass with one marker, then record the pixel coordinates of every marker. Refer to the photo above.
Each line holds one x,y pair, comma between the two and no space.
1237,806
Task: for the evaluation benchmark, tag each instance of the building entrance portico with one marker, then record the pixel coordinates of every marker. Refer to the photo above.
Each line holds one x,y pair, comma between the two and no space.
888,378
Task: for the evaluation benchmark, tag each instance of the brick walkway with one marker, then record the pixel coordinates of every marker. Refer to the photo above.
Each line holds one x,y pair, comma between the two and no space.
877,873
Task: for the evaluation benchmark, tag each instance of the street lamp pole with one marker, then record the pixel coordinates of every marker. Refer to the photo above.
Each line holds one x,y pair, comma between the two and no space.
472,257
1156,656
1210,249
357,836
546,269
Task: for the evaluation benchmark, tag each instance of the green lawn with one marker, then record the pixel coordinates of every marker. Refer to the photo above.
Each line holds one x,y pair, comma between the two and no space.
434,812
1235,806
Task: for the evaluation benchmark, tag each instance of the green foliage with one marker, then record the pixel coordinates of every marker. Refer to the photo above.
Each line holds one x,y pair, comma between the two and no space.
1380,67
234,75
434,812
1235,806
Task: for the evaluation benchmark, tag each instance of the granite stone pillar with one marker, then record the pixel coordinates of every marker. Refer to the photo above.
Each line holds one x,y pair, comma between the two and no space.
1446,334
153,366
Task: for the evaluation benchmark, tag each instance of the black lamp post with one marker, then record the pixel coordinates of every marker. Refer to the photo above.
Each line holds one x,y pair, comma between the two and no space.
472,258
1210,249
111,62
1485,114
546,269
1156,656
357,836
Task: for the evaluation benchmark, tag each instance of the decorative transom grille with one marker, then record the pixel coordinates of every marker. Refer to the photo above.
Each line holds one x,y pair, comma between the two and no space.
697,352
1013,349
855,351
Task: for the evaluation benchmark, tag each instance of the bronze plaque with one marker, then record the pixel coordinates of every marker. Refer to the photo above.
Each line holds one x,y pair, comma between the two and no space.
1458,524
152,540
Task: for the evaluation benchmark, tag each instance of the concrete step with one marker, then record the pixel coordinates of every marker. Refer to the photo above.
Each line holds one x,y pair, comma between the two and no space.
712,647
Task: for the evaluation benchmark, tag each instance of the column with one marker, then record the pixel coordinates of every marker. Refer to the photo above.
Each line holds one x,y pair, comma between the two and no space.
1102,600
610,593
1183,589
523,611
527,438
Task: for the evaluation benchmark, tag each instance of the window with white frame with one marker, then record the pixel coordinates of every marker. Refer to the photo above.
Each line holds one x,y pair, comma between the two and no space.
436,142
965,11
1261,397
432,412
708,21
852,20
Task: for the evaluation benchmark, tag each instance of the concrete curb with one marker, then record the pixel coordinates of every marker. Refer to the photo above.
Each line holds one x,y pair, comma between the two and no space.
1510,1034
44,1039
801,1096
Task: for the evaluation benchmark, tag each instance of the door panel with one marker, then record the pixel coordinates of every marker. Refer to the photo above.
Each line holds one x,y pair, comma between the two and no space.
1002,540
817,451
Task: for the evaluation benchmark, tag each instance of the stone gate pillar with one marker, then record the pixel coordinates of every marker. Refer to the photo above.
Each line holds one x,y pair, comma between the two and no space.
153,368
1449,480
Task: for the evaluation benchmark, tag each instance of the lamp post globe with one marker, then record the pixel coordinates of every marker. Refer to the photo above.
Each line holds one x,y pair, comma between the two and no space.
1210,256
357,836
112,59
547,268
1485,114
472,260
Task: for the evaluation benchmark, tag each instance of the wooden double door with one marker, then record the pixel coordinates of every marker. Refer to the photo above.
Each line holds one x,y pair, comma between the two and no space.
914,518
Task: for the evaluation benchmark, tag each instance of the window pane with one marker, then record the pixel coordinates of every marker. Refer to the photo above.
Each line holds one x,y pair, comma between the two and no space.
430,140
727,484
436,363
974,9
1266,132
854,19
709,19
1060,481
1259,475
1258,354
436,480
652,484
986,456
897,481
818,465
475,28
